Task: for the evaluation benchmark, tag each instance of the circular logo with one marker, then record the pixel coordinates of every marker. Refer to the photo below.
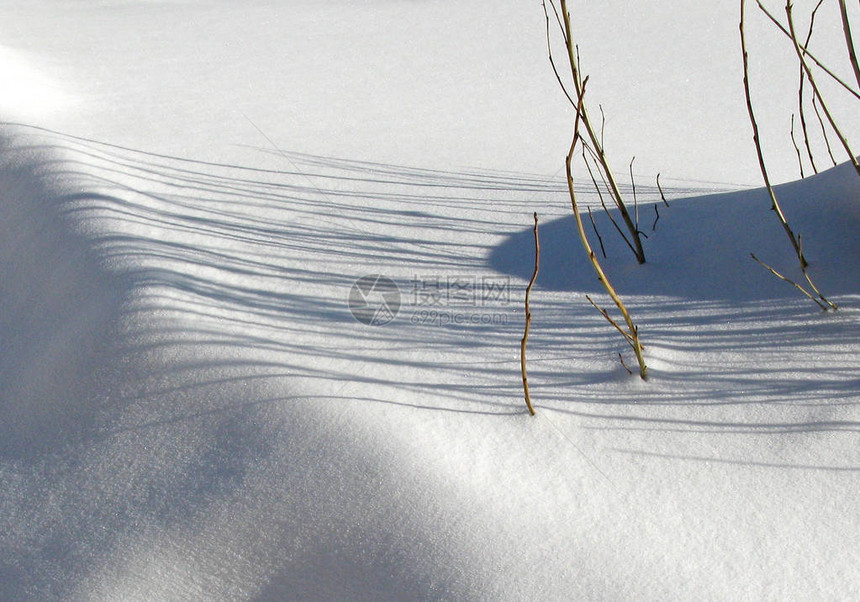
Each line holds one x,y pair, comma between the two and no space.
374,300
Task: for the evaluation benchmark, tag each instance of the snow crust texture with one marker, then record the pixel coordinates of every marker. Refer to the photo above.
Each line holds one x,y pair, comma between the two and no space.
191,409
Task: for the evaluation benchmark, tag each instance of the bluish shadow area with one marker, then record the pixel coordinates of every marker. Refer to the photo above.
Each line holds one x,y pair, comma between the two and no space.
699,248
146,304
58,310
156,311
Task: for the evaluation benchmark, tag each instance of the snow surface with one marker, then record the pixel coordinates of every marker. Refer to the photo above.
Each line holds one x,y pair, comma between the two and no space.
189,410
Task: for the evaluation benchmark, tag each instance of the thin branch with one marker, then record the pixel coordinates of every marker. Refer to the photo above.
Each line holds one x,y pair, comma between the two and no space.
792,282
602,203
609,319
635,200
529,320
660,188
558,20
756,139
849,41
621,358
802,57
602,125
811,283
802,79
633,332
549,53
573,59
596,233
806,52
594,181
823,130
796,149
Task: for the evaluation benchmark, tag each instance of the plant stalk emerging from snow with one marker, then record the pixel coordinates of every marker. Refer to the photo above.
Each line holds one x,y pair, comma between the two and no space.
631,334
775,206
595,141
801,56
529,321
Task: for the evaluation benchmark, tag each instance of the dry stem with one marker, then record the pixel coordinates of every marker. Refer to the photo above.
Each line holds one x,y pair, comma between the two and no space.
596,144
529,320
660,188
596,233
795,240
632,332
797,150
849,41
774,203
801,55
806,52
792,282
823,130
802,78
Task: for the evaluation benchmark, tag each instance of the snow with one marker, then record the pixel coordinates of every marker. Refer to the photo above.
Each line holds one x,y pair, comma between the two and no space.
190,190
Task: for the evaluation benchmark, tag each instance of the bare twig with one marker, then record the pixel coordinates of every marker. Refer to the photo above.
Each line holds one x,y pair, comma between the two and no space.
549,53
602,203
611,320
796,241
596,233
529,320
756,139
635,200
621,358
792,282
796,149
660,188
802,57
578,83
656,219
811,283
602,125
632,334
823,130
849,41
800,95
811,56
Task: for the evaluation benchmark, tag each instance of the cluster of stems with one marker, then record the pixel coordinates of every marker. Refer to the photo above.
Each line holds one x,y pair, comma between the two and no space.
807,75
593,140
592,146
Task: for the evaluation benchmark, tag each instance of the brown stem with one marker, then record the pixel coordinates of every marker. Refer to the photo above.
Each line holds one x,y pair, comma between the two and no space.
594,138
802,78
802,57
774,204
823,130
849,41
812,57
660,188
792,282
796,149
632,335
529,320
